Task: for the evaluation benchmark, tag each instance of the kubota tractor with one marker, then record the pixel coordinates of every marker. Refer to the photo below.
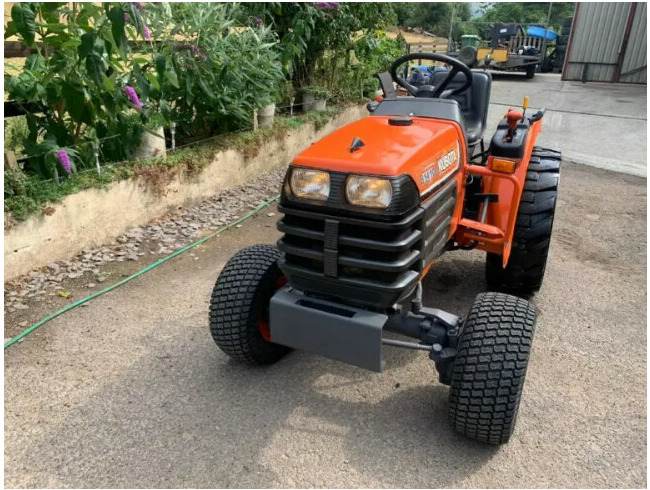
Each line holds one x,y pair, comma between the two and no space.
367,211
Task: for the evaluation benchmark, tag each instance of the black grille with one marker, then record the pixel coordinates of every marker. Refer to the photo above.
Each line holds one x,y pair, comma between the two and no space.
363,261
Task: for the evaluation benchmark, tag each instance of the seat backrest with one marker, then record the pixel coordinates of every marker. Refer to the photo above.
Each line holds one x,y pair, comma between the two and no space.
473,102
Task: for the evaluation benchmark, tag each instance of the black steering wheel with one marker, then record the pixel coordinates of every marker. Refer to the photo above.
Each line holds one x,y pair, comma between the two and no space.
439,90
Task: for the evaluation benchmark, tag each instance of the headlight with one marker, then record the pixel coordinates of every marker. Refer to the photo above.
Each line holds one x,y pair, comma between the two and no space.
310,184
370,192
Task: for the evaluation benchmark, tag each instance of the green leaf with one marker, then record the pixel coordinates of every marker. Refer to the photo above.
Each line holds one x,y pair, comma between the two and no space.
143,84
189,82
86,46
153,81
116,16
171,77
73,95
24,17
165,109
205,88
161,63
50,11
95,68
95,64
34,62
71,44
10,30
108,84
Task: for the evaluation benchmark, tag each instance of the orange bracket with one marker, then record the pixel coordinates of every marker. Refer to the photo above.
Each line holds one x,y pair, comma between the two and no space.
489,233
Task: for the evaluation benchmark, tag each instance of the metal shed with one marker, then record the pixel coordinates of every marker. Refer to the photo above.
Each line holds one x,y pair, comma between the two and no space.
608,43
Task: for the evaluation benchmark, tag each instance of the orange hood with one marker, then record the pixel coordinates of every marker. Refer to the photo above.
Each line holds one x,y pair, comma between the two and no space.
389,150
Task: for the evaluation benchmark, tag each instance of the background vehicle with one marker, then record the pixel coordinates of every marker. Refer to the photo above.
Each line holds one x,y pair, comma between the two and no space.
510,47
368,210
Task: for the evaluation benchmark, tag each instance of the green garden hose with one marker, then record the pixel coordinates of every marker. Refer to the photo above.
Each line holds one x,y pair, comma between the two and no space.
42,322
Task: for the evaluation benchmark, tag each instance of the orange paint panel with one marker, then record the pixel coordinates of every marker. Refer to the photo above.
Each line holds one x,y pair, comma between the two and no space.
429,150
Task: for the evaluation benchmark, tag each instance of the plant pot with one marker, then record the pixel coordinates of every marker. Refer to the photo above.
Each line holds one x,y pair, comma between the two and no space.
319,104
313,103
152,144
265,116
307,102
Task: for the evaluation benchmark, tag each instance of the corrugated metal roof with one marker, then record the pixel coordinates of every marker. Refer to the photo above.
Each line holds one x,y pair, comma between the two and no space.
636,54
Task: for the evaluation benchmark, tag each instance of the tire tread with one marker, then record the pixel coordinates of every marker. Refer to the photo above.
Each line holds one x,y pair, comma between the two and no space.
490,367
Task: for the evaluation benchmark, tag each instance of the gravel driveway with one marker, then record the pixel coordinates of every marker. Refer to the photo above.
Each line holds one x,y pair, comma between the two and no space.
131,391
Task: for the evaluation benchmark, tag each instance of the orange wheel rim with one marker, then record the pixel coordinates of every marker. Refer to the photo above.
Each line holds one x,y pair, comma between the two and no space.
264,327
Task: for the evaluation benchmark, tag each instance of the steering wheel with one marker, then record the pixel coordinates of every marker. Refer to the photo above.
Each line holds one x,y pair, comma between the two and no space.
438,91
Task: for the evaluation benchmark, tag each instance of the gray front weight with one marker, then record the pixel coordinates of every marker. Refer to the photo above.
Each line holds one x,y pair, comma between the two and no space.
340,332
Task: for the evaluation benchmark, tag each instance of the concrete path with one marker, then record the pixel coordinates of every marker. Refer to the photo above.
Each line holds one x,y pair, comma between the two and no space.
131,391
599,124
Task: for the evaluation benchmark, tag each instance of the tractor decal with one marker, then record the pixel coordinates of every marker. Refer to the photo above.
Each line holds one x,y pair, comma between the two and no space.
447,163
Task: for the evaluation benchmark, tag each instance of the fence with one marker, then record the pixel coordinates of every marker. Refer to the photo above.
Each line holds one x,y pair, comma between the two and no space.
15,109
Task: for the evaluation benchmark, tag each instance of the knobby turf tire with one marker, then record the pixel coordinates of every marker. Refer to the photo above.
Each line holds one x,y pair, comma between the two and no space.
488,374
240,298
524,273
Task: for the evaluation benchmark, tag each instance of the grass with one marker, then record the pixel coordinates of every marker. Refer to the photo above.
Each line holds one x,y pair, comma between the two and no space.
27,195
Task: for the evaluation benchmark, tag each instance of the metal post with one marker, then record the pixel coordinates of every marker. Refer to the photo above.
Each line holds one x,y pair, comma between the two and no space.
172,130
450,47
96,152
548,24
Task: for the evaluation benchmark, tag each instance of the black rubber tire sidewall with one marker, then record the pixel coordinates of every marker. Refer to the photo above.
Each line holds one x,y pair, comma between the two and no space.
241,294
489,371
524,273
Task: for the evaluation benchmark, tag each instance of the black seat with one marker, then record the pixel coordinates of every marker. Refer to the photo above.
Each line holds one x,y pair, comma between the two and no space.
473,102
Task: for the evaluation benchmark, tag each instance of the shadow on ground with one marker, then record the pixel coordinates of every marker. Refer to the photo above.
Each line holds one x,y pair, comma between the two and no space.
206,414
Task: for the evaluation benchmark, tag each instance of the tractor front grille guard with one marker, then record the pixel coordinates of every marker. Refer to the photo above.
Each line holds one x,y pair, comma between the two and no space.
363,261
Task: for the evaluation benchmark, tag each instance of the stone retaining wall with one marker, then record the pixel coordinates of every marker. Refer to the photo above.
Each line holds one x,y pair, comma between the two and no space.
93,217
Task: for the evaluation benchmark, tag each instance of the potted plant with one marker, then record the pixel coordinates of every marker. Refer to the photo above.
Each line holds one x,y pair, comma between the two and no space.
266,112
314,98
153,139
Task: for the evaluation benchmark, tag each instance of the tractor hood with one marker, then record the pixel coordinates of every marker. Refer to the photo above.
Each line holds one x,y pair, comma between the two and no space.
425,148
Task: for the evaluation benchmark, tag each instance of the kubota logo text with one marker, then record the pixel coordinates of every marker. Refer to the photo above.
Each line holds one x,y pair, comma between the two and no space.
446,161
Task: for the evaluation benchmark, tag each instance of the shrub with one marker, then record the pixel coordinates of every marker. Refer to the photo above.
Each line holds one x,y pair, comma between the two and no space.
78,74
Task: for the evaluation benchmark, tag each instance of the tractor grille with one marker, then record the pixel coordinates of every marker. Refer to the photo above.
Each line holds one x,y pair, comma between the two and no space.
348,258
363,261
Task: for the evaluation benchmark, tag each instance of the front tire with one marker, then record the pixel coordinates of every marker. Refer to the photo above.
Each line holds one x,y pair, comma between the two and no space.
239,307
526,266
488,374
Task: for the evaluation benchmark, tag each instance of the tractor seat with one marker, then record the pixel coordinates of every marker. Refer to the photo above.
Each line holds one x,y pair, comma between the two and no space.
473,102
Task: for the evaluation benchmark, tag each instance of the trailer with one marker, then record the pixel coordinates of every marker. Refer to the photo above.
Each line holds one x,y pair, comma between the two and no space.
510,48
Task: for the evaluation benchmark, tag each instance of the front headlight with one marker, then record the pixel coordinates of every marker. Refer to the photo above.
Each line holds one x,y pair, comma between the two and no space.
310,184
370,192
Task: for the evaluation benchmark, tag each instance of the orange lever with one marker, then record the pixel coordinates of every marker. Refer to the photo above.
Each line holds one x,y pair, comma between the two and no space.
513,118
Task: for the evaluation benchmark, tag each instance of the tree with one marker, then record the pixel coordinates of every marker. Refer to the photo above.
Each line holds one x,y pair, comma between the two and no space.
433,17
527,13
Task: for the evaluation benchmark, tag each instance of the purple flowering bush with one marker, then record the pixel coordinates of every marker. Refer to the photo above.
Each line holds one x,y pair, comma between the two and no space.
221,75
92,87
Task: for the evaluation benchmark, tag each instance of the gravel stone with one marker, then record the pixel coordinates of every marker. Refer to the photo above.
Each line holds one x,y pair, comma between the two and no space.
169,233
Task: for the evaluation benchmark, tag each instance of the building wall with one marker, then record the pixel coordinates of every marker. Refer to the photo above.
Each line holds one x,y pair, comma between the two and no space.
596,43
636,54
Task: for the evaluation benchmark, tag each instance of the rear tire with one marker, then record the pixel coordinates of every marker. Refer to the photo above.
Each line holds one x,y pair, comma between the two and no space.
530,71
524,273
488,374
239,307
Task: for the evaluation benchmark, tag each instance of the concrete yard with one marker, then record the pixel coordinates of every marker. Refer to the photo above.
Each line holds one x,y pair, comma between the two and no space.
600,124
131,391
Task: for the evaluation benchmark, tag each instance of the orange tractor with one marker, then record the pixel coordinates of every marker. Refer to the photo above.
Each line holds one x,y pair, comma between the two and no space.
368,209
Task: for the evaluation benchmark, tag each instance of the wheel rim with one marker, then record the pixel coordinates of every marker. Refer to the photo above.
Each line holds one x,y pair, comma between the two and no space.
263,323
